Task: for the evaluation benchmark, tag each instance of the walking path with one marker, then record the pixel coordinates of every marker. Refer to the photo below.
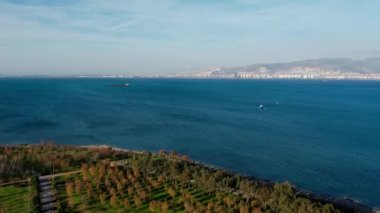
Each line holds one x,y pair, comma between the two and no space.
47,195
48,198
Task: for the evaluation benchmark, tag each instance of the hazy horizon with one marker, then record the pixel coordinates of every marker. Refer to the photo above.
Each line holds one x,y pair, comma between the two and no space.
40,37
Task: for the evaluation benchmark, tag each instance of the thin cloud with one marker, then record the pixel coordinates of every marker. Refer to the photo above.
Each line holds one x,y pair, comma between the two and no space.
121,26
196,33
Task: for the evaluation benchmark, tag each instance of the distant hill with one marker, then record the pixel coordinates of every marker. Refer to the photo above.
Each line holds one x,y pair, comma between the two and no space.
325,68
368,65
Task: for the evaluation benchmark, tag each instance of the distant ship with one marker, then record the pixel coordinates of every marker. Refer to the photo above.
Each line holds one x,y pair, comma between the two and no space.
261,106
120,85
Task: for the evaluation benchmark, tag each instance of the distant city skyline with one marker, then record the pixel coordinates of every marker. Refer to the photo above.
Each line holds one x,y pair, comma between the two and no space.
78,37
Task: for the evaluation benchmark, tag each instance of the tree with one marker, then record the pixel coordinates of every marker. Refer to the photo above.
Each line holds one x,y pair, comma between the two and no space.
78,186
130,190
188,206
229,201
154,206
185,158
126,203
243,208
113,201
84,206
171,192
143,195
162,153
90,193
210,206
70,201
69,189
282,197
164,206
113,192
107,183
102,198
137,201
120,188
85,172
98,181
93,170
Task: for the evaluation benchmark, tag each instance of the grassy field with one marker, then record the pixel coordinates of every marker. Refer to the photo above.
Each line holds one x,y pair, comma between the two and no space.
15,198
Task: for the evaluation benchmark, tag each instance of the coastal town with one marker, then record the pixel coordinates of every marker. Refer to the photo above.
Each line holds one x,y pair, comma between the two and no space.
264,73
308,73
297,73
325,69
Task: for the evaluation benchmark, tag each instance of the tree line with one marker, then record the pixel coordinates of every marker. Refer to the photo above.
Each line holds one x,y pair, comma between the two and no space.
169,182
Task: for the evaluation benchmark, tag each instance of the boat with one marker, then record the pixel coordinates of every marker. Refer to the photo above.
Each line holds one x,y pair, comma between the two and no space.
261,106
120,85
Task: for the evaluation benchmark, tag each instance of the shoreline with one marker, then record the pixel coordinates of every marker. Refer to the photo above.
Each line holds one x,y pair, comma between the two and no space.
190,78
346,203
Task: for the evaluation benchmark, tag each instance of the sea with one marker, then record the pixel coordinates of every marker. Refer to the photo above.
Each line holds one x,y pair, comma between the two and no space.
322,136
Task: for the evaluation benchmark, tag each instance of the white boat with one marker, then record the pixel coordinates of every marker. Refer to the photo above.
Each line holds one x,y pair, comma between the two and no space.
261,106
126,84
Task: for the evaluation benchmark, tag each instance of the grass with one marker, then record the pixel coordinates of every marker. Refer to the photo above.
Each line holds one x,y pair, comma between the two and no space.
15,198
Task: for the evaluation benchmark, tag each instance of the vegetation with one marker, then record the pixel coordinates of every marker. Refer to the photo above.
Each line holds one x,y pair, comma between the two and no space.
163,183
16,198
24,161
118,181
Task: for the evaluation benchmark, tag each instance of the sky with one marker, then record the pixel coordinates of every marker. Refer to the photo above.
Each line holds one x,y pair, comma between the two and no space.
106,37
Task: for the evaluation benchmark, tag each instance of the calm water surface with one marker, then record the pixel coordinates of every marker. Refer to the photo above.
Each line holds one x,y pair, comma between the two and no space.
321,136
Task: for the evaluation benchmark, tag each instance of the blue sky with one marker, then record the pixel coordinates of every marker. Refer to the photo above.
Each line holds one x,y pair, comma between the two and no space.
68,37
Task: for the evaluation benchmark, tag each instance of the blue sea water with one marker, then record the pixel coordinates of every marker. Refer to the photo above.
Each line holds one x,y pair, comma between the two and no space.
323,136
